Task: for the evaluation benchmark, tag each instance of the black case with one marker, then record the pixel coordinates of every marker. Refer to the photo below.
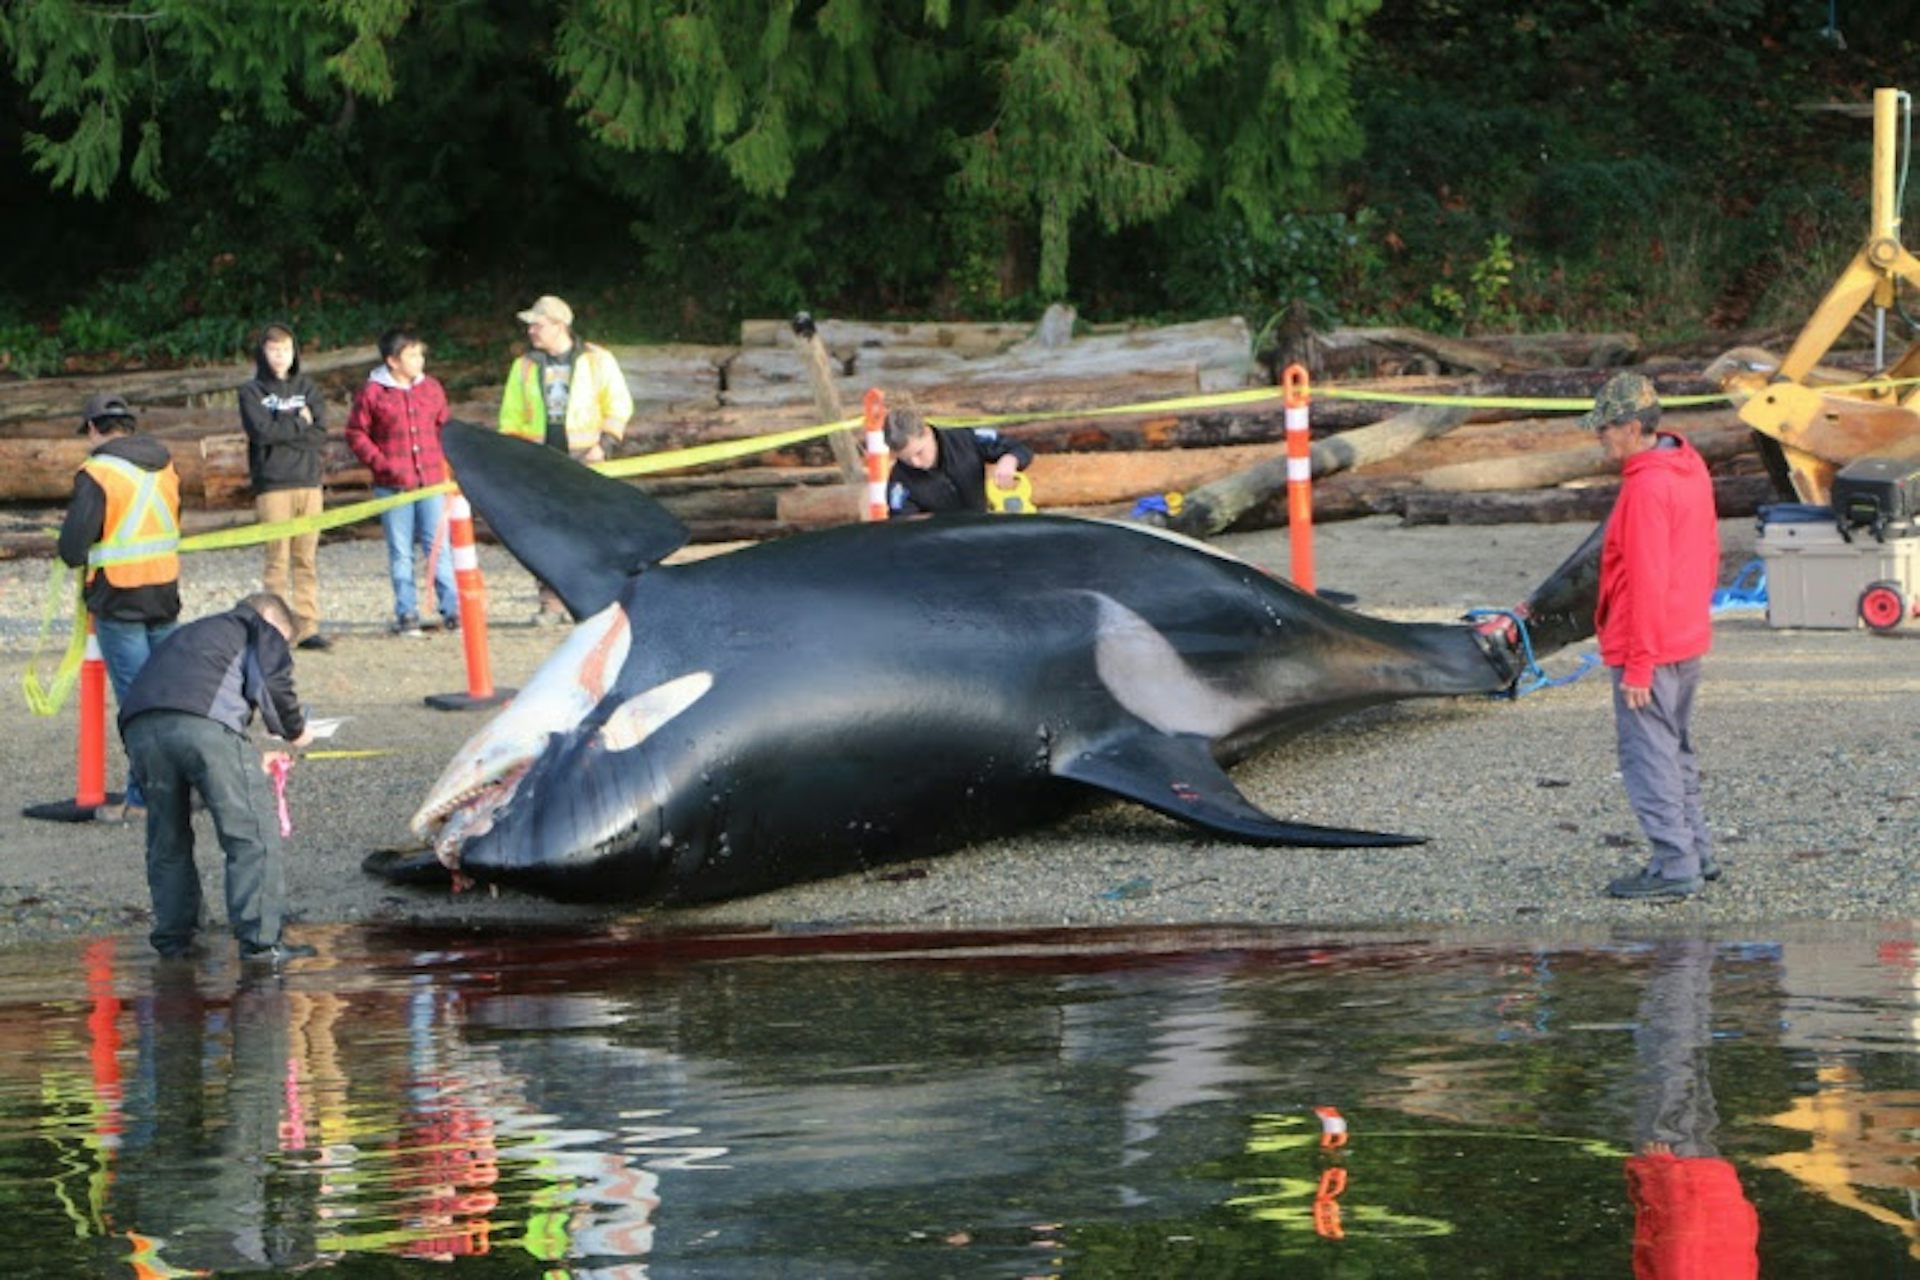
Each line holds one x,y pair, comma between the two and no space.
1882,494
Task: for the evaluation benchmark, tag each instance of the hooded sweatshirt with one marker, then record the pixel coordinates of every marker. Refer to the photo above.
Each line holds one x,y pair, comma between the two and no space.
284,451
395,430
85,524
1658,563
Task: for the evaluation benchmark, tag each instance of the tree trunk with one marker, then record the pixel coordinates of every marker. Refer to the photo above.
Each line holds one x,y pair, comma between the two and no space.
62,398
844,337
1215,507
826,403
1717,440
1456,353
1349,349
1738,495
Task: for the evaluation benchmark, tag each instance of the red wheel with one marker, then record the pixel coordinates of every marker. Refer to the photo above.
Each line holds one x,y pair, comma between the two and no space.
1883,606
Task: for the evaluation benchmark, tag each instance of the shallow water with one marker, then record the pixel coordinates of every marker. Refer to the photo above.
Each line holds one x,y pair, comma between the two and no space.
1068,1103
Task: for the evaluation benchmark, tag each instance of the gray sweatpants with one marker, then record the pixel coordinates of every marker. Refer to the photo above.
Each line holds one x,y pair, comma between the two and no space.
1661,774
175,754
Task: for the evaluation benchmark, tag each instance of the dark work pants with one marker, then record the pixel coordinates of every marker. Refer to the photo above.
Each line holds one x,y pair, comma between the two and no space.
175,754
1661,773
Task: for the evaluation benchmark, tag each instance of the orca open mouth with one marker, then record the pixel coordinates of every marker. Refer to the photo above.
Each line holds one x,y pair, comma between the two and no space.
470,814
484,777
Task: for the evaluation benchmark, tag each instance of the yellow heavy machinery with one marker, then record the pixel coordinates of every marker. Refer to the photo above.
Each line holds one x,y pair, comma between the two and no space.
1822,418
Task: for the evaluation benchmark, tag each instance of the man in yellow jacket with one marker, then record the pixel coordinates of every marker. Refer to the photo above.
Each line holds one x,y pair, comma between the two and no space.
567,393
123,524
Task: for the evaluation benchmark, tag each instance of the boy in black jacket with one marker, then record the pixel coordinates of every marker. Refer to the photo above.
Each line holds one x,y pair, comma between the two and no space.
286,425
940,469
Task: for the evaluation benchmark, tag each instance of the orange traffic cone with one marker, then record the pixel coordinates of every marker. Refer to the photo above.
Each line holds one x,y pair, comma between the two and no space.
473,617
875,407
90,790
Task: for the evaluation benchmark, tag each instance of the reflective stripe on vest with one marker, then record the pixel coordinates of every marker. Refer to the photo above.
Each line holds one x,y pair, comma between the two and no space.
141,532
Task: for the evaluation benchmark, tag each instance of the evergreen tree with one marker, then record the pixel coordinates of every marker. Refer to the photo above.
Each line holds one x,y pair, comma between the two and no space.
828,148
1115,108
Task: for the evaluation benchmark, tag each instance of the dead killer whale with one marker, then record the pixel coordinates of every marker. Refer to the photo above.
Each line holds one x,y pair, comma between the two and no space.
833,700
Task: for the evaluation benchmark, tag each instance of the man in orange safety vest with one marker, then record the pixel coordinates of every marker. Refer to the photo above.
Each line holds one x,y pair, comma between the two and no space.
123,525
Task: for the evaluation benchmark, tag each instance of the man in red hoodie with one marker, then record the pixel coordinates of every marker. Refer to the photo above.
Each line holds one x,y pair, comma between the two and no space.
1658,565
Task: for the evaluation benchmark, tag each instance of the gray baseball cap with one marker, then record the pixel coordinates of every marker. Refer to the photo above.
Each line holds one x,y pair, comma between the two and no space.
104,406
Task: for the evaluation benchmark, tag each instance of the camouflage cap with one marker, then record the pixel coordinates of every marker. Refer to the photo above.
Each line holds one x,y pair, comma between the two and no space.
1626,395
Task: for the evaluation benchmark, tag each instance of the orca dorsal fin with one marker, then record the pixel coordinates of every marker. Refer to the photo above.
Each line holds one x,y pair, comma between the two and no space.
581,533
1176,774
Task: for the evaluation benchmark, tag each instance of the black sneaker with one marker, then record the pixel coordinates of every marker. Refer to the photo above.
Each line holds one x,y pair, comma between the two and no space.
451,623
407,626
1709,869
278,954
1645,884
316,643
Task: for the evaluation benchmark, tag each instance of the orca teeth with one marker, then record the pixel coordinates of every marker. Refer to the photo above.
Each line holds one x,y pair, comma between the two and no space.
468,814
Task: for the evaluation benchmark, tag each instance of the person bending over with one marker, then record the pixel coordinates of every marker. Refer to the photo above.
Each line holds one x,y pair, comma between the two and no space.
184,724
942,469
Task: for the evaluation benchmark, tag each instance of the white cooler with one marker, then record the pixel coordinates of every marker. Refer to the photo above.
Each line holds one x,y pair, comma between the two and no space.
1816,578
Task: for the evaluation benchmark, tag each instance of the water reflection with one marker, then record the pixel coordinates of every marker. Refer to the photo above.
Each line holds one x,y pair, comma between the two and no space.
1691,1217
1214,1103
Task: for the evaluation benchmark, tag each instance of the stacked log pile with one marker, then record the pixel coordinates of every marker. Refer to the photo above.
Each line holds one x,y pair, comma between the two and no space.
1371,456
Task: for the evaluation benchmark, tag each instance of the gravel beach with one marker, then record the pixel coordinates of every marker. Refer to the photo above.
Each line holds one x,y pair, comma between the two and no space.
1808,739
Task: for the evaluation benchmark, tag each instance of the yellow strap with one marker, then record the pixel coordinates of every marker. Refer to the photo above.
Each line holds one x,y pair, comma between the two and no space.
46,700
721,451
247,535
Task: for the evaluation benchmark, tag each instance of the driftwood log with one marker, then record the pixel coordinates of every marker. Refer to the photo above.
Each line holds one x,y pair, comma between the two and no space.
826,401
844,337
1213,508
1718,436
1069,480
1227,460
1348,350
60,399
1737,495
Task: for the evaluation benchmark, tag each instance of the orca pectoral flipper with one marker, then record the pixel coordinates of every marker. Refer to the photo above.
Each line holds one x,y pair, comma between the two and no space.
1176,774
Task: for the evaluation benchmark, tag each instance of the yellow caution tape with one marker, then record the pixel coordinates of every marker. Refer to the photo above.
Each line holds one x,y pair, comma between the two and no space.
47,699
248,535
721,451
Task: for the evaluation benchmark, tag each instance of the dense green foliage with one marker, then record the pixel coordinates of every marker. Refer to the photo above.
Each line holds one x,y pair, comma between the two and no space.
175,171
